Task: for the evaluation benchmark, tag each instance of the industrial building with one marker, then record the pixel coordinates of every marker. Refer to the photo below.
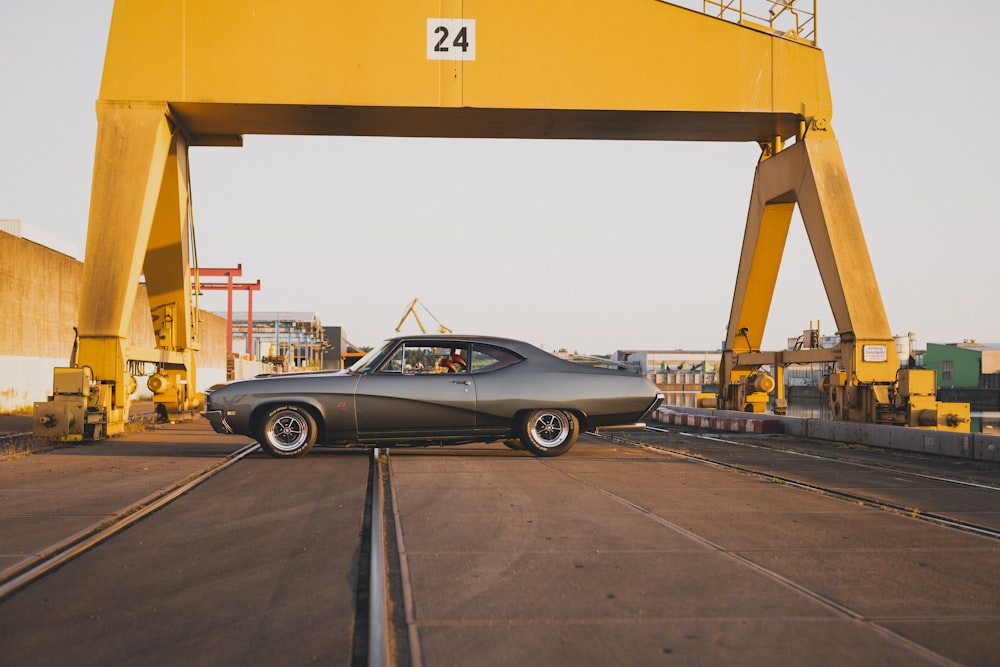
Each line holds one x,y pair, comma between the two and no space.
291,340
965,364
969,371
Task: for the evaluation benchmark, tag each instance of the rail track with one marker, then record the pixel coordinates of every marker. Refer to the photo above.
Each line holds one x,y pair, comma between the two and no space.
25,572
376,642
15,444
825,490
392,630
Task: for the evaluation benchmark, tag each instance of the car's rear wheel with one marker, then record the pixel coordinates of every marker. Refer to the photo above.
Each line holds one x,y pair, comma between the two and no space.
287,432
549,432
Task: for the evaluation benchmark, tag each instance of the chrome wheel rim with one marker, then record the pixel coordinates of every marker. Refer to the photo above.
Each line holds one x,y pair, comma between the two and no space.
550,429
287,431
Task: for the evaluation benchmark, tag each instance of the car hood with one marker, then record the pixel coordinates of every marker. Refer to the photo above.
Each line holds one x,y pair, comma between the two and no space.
257,383
297,374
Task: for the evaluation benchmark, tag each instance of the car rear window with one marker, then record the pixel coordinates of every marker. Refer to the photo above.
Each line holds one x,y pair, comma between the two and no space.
490,358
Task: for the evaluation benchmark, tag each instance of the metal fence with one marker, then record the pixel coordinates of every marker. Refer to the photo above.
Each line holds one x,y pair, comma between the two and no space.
792,19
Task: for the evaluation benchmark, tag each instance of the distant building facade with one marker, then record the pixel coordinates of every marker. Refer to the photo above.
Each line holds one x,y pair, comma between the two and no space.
965,364
651,361
291,340
341,352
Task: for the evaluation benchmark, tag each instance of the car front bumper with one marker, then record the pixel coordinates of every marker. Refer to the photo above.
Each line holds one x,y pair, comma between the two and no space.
218,421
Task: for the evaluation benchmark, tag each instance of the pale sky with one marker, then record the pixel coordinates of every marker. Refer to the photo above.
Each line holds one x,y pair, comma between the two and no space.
590,246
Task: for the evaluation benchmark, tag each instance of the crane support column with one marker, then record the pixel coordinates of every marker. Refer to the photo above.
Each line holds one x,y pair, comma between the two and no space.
141,228
811,173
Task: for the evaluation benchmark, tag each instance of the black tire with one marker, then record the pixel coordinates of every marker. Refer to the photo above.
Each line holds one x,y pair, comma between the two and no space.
287,432
514,443
549,432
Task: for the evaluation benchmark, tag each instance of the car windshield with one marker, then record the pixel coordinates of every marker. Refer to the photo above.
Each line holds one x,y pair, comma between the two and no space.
363,365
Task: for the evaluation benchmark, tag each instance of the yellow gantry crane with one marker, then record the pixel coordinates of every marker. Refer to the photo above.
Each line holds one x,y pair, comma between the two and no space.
412,310
183,74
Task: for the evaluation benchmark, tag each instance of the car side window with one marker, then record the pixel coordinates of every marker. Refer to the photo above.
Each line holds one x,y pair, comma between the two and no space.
491,358
395,363
422,359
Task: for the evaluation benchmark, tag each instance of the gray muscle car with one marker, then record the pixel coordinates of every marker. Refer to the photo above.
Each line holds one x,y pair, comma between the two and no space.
434,390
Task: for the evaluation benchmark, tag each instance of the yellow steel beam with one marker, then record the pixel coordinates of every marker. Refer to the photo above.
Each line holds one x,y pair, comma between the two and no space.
133,146
763,246
834,228
167,261
138,222
810,173
557,69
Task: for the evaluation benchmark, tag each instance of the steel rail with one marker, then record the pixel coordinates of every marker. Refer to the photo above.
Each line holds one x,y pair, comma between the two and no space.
378,589
19,443
870,466
25,572
867,501
387,645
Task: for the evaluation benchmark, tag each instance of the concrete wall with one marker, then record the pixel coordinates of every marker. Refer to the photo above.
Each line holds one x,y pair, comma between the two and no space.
210,359
39,299
39,304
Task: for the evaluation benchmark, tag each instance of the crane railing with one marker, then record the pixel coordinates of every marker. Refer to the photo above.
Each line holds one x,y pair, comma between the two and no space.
792,19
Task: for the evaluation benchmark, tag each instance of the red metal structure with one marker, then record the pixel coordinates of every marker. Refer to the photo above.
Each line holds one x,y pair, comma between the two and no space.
249,288
229,286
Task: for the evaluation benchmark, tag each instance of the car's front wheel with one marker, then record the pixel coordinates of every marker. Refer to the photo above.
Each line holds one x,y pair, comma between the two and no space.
287,431
549,432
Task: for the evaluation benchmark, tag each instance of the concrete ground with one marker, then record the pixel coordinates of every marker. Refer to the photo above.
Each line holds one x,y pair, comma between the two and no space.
607,555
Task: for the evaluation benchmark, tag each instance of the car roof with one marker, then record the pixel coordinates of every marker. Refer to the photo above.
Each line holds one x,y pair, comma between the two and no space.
516,345
526,350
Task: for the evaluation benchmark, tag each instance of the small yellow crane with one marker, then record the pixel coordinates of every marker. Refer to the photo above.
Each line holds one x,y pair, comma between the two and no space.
411,310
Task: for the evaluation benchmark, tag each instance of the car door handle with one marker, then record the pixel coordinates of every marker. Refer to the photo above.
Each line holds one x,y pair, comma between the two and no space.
465,382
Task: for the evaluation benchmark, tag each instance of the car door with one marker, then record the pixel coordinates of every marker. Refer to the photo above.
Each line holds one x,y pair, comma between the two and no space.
422,391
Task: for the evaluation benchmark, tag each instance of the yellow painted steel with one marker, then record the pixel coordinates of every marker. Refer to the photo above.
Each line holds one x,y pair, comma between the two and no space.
144,227
412,310
187,73
133,145
811,174
138,222
559,69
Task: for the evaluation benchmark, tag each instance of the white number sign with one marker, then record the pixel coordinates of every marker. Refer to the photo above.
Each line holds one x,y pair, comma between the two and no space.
451,39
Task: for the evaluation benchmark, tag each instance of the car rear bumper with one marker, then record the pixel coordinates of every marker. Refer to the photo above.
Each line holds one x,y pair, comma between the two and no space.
652,408
218,421
624,422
